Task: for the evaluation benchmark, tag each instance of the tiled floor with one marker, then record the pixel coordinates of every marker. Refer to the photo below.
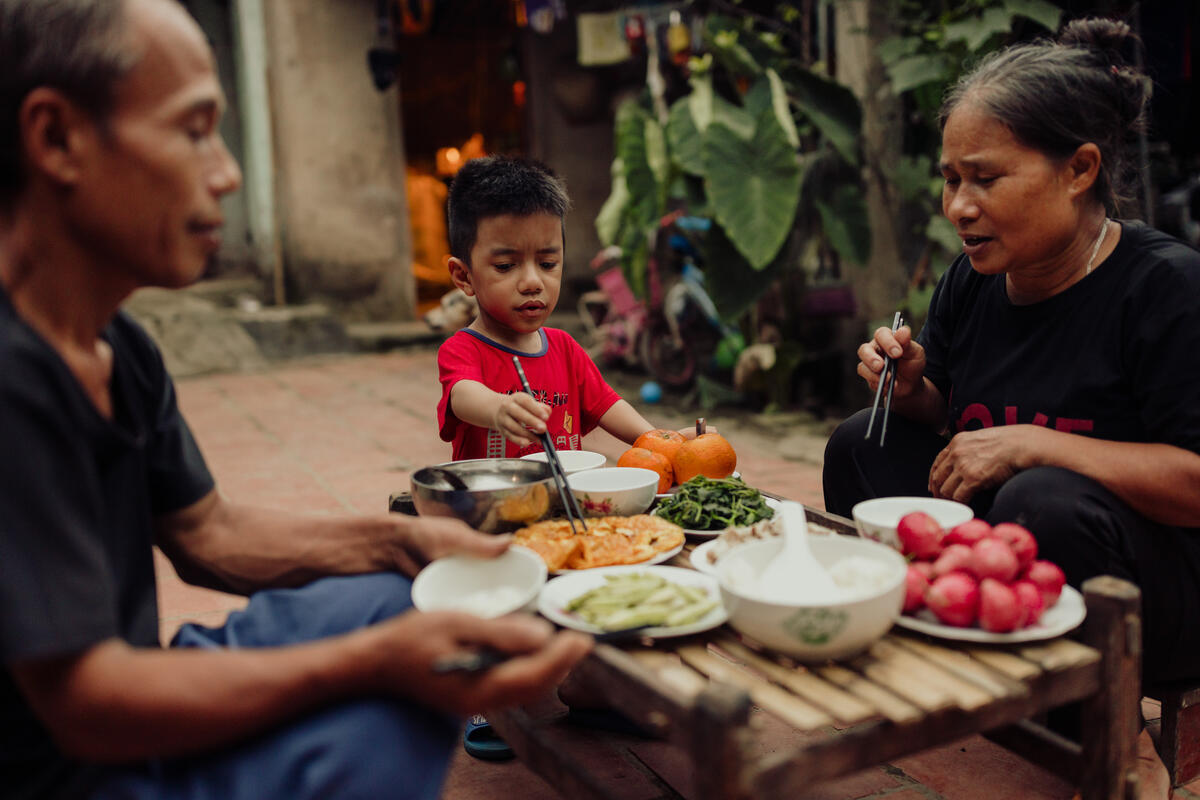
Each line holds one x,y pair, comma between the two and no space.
341,434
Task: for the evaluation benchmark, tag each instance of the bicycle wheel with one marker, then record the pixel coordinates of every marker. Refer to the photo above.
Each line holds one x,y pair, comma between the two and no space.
670,365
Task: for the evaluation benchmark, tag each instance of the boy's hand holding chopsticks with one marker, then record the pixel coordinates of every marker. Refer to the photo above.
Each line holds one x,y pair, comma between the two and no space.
521,418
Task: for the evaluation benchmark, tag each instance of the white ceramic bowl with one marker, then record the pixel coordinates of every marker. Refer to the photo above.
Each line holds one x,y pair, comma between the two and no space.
487,587
813,631
614,491
877,519
573,460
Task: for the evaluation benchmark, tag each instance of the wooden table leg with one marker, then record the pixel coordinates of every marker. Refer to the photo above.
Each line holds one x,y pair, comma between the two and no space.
1110,717
720,716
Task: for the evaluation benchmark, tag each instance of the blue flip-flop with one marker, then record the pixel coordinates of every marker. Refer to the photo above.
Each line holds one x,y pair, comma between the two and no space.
481,741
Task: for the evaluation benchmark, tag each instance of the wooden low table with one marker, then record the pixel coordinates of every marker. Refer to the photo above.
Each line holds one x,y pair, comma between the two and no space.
906,694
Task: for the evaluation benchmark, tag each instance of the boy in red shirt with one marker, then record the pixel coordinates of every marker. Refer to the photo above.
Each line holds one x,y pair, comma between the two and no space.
506,244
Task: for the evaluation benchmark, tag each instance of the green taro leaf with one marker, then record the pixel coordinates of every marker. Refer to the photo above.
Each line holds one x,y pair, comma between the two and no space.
732,283
941,231
736,118
911,177
768,92
844,220
753,185
976,30
1043,13
608,221
687,145
831,107
895,48
913,71
656,152
640,179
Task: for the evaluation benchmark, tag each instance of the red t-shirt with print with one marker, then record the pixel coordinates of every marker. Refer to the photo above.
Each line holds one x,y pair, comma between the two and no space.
560,374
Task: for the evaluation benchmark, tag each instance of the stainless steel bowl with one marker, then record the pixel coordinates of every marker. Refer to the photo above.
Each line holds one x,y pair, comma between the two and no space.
501,494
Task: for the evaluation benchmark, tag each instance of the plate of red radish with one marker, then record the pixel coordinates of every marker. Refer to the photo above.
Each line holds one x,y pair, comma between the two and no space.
982,583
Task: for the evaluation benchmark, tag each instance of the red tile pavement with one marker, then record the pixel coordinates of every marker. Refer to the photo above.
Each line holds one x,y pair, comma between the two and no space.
341,434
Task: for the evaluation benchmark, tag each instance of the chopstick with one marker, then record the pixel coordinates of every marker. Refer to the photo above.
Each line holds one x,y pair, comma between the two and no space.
889,370
570,504
488,657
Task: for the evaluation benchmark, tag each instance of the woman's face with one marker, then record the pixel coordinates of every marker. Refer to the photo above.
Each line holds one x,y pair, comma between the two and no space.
1012,206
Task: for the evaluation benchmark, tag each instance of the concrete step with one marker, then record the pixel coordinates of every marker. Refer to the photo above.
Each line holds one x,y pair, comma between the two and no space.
379,337
198,334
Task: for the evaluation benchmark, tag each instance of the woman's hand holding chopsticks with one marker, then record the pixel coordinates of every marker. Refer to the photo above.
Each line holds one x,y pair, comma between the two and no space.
900,346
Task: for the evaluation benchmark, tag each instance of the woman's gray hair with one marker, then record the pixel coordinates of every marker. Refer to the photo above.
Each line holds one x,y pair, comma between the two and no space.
1057,95
76,46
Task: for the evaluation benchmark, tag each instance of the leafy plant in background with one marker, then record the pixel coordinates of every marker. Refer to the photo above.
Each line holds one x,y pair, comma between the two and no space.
762,144
937,42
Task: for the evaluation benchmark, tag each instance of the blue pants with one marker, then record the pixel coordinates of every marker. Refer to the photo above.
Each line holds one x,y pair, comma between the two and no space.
361,749
1079,525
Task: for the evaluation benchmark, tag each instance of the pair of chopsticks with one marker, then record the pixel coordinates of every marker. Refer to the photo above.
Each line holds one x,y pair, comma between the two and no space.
485,659
888,376
570,504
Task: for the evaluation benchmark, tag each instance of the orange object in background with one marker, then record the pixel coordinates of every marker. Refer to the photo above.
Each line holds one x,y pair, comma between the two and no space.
648,459
709,454
662,441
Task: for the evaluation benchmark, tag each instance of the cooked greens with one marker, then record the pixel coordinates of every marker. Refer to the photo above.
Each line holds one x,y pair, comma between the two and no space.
634,599
710,504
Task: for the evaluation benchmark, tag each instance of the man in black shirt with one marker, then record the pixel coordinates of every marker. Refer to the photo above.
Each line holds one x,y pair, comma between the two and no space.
111,173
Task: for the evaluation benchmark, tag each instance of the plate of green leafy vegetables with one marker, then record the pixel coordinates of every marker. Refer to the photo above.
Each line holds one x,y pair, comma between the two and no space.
704,507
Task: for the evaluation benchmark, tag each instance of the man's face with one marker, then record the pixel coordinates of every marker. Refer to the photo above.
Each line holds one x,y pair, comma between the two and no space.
148,204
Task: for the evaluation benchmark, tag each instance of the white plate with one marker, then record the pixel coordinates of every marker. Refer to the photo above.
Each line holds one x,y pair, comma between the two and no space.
1065,616
699,557
558,592
657,558
770,501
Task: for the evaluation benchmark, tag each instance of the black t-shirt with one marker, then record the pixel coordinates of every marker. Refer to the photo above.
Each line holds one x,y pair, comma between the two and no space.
78,494
1114,356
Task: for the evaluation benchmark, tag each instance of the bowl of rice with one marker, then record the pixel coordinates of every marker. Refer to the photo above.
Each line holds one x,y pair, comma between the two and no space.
485,587
869,579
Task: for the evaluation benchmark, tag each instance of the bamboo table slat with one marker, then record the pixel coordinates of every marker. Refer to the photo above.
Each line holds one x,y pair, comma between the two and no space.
905,694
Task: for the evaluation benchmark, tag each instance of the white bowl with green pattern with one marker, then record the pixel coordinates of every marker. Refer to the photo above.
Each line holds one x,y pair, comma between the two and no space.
871,584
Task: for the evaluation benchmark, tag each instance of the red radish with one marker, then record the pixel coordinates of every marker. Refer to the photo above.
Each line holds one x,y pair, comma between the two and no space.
1049,580
954,599
1031,598
993,558
999,609
925,568
1020,540
919,535
955,556
969,532
915,584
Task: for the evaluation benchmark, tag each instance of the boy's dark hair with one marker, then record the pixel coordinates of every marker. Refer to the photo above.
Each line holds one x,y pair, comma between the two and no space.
76,46
496,185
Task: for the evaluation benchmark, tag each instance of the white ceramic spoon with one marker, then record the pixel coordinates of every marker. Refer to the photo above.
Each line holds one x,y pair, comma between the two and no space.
795,575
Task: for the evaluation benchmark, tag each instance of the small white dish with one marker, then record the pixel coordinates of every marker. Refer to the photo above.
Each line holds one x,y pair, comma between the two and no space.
572,460
1063,617
877,519
699,557
614,491
558,592
486,587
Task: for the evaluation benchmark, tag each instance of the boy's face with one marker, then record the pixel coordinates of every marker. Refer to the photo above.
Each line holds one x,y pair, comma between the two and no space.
515,274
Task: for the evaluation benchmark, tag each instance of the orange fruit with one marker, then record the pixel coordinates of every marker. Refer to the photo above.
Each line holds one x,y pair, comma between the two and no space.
648,459
709,454
662,441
